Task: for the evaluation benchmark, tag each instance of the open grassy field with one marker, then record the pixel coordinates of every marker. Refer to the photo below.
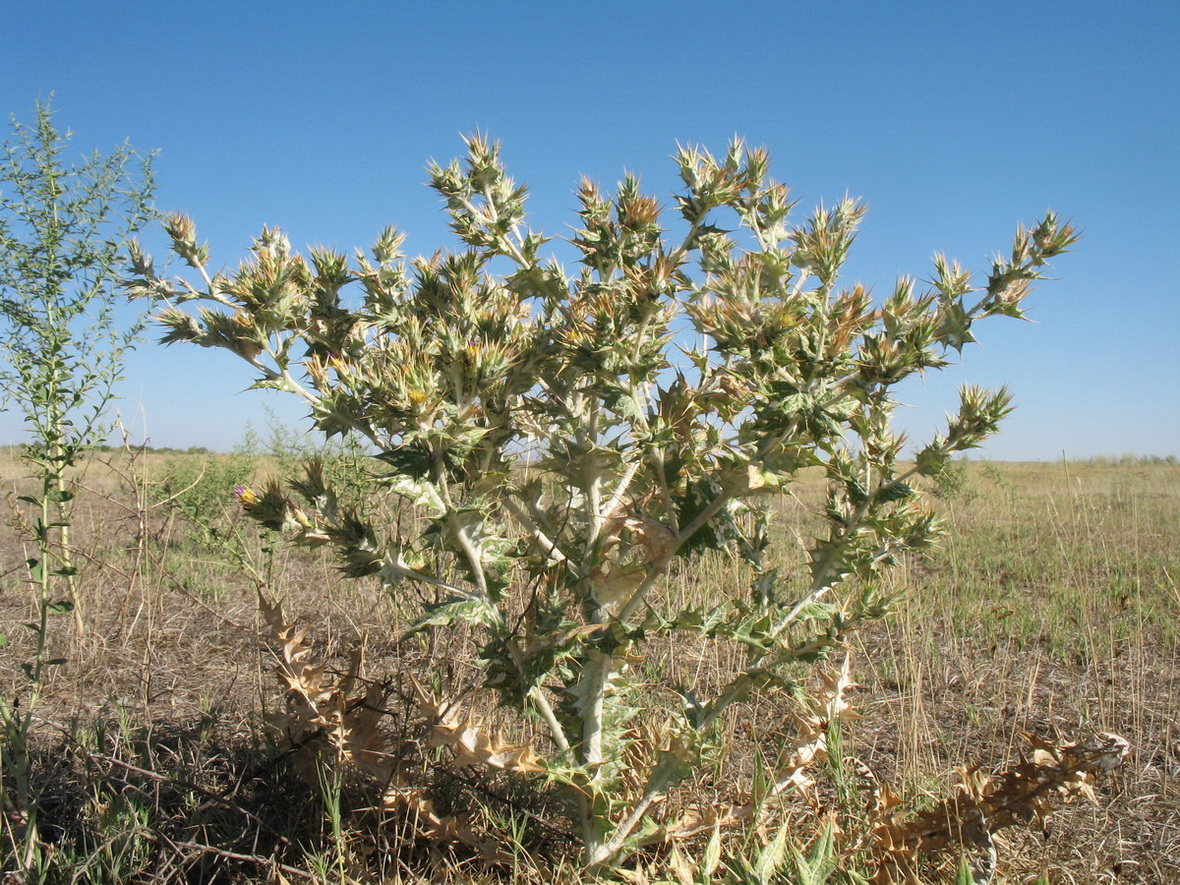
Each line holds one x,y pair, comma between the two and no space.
1050,608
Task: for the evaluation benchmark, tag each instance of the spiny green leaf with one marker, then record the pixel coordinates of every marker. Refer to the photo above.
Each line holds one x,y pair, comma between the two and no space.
772,857
456,609
421,493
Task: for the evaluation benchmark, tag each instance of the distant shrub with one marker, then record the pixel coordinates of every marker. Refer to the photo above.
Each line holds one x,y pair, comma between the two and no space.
953,481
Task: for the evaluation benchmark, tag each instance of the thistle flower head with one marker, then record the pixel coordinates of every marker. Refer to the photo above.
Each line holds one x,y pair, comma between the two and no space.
245,496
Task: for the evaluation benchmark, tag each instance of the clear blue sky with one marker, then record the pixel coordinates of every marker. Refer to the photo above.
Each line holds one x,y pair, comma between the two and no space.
954,121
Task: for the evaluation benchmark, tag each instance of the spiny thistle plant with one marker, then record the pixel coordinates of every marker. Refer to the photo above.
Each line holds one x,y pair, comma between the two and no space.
559,440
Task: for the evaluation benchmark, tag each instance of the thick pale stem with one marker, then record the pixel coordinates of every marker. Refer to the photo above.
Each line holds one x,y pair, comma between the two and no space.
604,852
616,497
592,483
596,678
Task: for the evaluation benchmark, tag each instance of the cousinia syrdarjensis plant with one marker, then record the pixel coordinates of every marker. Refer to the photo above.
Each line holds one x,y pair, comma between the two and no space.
563,438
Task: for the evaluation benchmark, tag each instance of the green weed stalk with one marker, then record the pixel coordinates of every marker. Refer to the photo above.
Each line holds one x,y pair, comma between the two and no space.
62,230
